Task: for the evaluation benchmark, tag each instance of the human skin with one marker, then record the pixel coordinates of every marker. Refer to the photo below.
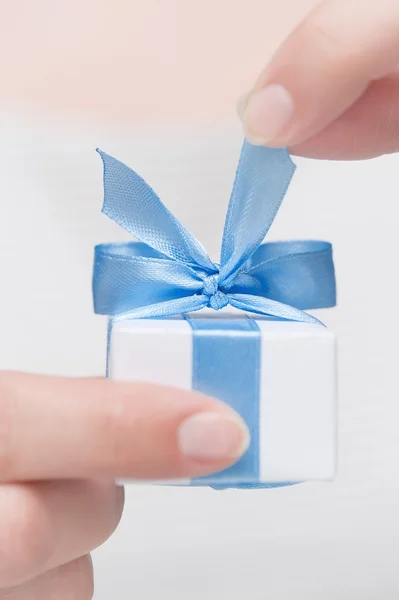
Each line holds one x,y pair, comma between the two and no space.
63,443
332,89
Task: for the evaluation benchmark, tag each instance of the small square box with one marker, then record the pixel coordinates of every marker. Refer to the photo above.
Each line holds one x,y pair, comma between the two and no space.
279,375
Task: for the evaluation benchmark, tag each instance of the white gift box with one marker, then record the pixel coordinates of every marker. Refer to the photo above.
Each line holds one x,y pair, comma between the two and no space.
295,417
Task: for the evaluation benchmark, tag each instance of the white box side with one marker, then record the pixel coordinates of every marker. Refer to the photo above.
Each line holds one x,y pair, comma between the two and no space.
156,351
298,403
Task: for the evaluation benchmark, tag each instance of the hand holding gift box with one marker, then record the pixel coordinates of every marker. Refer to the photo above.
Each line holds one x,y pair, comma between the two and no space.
278,370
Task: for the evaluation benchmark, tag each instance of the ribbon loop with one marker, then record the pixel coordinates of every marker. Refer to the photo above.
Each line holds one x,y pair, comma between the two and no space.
169,272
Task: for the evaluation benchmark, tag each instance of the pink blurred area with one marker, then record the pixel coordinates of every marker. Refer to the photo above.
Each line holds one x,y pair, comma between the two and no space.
138,60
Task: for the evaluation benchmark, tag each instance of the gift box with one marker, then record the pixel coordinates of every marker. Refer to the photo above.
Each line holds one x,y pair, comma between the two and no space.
279,376
235,330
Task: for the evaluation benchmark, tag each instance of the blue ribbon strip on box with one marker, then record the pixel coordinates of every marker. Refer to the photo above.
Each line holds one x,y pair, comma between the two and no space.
226,365
169,272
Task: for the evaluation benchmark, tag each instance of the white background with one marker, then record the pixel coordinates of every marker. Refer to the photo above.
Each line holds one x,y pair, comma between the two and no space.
313,542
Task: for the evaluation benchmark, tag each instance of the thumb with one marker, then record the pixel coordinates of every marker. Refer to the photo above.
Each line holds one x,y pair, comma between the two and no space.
321,70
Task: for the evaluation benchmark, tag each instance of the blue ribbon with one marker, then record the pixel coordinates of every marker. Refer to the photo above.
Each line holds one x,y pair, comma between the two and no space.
169,271
233,379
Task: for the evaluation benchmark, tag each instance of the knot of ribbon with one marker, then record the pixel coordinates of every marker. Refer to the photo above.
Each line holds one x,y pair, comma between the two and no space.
169,272
217,298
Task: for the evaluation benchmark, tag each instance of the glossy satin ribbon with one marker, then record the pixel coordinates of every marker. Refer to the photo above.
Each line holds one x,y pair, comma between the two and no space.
169,271
226,365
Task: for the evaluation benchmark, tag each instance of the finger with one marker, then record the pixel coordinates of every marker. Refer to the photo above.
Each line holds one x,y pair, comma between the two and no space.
369,128
44,525
55,428
322,68
74,580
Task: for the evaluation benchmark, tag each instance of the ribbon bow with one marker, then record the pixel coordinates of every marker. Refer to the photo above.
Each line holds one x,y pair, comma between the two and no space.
169,272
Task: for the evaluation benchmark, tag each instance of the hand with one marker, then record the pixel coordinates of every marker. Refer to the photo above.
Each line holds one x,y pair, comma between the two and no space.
332,89
62,444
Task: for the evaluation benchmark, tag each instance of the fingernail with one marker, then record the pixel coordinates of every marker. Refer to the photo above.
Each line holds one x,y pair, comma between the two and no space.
266,113
242,105
212,436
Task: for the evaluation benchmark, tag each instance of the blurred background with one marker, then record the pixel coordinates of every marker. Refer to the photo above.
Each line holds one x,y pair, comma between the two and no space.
155,82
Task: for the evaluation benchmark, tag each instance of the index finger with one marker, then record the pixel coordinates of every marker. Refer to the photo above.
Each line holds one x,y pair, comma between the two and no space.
55,428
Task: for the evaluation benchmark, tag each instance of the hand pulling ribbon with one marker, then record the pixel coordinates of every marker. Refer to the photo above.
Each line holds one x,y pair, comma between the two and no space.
169,272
